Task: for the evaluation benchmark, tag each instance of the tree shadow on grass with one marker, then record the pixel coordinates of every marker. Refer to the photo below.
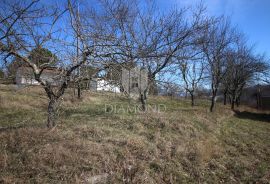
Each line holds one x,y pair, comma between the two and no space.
252,116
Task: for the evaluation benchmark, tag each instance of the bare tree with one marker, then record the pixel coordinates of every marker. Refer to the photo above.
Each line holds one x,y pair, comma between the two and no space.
162,37
242,66
127,32
217,39
192,73
266,79
27,25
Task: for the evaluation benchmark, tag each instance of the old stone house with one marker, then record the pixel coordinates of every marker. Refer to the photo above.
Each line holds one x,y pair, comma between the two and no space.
25,76
134,80
99,84
130,81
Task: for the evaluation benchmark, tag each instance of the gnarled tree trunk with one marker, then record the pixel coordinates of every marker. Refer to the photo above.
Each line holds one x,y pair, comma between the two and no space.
192,99
79,90
233,99
225,98
212,104
53,102
152,89
232,104
143,99
52,108
143,102
238,102
214,94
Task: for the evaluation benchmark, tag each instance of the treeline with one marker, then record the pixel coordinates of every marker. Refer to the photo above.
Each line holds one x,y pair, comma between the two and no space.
184,42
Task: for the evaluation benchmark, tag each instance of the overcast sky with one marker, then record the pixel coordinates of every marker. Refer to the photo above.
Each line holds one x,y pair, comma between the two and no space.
251,16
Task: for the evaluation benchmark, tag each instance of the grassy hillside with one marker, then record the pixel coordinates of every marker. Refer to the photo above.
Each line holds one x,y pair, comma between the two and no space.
91,143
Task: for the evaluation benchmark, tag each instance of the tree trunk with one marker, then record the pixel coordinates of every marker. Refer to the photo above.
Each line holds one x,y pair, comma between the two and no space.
143,99
214,94
212,103
52,112
143,102
230,99
192,99
152,86
232,104
234,99
225,98
79,90
238,102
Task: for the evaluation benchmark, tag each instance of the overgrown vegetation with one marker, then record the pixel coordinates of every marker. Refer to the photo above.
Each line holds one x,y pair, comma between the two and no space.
181,145
109,35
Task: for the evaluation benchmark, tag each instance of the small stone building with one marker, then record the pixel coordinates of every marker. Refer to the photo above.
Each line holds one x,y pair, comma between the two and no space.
130,81
99,84
25,76
134,80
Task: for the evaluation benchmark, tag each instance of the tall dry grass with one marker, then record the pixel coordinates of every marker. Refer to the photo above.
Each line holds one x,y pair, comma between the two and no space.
181,145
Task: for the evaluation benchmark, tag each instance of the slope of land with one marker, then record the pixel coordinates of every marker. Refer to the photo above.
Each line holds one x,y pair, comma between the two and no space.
98,140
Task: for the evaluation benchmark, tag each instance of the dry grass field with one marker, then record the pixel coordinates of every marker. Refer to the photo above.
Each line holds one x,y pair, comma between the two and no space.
92,144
